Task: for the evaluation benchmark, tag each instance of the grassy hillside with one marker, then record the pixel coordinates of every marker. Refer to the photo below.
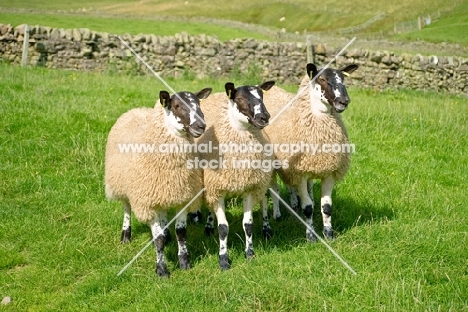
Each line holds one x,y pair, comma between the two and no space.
119,25
299,14
400,213
294,16
451,28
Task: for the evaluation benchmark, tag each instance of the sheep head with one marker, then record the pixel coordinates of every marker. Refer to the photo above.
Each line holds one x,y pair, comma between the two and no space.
247,102
183,111
331,82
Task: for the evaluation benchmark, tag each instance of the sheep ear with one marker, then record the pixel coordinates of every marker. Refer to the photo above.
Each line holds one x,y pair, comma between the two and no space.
164,98
203,94
267,85
311,70
347,70
230,90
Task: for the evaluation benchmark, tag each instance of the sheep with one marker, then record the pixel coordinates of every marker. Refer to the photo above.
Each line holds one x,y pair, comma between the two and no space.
313,119
234,122
149,183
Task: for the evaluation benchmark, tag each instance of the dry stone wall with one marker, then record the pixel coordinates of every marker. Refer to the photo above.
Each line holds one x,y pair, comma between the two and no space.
202,55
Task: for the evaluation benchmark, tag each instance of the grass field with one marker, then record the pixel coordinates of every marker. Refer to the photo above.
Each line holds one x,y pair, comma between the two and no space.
122,25
450,28
400,213
294,16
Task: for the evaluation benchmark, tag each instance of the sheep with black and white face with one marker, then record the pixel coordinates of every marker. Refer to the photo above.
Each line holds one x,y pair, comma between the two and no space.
149,182
312,119
236,119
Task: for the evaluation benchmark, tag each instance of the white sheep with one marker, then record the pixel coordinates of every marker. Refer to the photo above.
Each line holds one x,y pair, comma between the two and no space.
234,122
313,119
149,180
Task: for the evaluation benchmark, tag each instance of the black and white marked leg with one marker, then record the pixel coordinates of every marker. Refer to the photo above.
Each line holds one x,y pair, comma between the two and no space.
167,233
158,237
266,230
209,226
247,224
307,208
126,226
223,231
195,217
310,189
181,233
326,206
275,200
294,198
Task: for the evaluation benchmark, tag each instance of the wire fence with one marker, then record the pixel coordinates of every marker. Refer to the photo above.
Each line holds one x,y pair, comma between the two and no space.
417,24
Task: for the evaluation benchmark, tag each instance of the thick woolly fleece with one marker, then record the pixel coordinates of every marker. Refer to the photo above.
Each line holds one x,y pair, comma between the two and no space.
149,181
228,179
298,124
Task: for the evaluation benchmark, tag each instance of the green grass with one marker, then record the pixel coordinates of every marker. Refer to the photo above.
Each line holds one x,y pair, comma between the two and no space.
450,28
300,16
123,25
400,213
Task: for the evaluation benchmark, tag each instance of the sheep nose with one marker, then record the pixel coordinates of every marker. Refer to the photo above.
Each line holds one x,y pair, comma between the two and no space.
265,117
344,101
201,127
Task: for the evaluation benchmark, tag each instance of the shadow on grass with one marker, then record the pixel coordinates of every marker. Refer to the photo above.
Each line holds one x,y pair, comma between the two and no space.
289,232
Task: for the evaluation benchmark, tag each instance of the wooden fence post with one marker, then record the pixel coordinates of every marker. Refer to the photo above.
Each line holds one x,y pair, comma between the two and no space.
310,50
24,57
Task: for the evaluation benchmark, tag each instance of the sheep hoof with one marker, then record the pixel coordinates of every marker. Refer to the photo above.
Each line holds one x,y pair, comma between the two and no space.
249,254
328,233
224,262
311,237
267,232
278,218
195,217
126,235
209,231
184,261
161,270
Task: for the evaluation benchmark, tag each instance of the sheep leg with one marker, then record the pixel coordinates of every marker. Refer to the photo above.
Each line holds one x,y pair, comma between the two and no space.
167,233
223,231
307,208
158,237
294,198
209,226
275,200
310,189
126,226
195,217
181,232
266,231
247,224
326,206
